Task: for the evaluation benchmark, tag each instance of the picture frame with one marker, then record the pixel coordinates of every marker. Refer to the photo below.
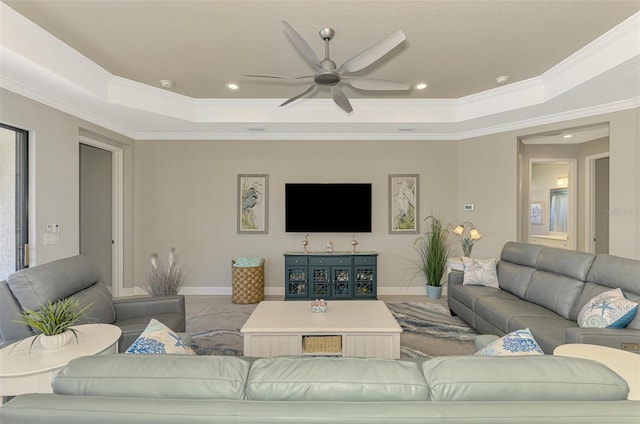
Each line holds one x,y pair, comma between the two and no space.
253,203
536,213
404,203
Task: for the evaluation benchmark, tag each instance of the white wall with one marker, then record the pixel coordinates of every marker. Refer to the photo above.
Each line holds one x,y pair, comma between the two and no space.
54,175
182,190
186,193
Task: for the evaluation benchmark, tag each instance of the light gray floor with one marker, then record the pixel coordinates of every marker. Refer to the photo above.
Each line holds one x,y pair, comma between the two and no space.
198,306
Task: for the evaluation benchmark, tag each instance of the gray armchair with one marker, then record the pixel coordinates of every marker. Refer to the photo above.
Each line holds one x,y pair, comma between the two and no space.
76,276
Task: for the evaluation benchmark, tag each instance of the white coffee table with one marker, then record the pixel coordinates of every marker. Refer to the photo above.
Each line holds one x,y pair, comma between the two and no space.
22,371
626,364
365,329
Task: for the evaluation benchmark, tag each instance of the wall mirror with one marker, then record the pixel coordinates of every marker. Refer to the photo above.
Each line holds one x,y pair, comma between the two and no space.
558,210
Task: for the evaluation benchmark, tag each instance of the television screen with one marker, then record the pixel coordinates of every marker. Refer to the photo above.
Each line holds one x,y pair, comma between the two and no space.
327,208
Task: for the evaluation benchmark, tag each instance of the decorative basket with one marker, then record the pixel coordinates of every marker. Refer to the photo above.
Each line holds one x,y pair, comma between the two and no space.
247,283
322,344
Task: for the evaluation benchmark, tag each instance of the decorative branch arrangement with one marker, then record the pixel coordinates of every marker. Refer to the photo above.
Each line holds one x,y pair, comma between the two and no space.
164,281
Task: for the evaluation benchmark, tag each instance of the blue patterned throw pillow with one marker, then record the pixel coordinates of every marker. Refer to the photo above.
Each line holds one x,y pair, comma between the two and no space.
608,310
158,338
519,342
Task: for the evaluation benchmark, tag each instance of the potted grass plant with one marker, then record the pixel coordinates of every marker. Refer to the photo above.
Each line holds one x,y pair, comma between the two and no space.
53,321
433,251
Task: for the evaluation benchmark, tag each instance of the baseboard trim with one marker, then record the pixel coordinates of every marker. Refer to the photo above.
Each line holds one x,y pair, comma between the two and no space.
279,291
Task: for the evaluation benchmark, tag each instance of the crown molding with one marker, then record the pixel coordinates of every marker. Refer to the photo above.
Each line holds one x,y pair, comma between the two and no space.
39,66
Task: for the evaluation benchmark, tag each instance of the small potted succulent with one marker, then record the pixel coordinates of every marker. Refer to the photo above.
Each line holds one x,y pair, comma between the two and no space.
53,321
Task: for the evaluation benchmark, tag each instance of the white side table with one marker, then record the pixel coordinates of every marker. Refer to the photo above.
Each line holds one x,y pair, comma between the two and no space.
626,364
454,264
22,371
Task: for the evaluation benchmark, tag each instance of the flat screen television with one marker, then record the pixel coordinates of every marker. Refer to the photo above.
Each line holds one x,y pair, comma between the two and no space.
327,208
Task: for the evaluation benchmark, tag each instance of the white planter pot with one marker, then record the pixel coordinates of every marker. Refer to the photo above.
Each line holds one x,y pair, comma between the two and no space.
57,341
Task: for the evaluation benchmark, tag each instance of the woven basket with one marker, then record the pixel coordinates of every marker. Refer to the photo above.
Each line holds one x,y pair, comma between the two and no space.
322,344
247,283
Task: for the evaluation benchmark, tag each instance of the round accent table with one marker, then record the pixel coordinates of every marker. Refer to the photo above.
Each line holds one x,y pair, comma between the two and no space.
626,364
22,371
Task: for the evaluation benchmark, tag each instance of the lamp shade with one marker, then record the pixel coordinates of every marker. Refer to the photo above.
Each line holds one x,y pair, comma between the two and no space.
474,234
458,230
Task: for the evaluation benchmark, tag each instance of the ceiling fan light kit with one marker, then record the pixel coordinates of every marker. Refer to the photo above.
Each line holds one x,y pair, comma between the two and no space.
327,74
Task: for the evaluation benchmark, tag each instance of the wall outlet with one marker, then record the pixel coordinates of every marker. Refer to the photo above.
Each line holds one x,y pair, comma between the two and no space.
468,207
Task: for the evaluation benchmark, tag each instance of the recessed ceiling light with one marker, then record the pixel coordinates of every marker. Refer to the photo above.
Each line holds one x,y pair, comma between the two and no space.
232,86
421,86
166,83
502,79
567,136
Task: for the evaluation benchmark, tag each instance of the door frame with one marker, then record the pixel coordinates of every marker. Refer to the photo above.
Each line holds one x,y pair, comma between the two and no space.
572,223
590,199
117,212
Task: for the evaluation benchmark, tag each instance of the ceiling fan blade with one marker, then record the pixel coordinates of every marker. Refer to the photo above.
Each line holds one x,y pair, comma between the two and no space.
376,84
294,98
373,53
302,46
276,76
340,99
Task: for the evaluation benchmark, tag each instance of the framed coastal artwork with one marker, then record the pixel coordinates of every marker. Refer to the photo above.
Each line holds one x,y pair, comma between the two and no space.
536,213
403,203
253,211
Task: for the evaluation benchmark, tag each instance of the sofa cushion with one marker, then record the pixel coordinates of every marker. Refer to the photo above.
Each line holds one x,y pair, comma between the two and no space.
516,343
514,278
500,310
49,282
335,379
154,376
158,338
521,378
555,292
520,253
480,272
608,310
101,310
569,263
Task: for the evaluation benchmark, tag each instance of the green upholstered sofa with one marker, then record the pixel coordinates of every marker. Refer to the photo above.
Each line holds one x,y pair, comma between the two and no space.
125,388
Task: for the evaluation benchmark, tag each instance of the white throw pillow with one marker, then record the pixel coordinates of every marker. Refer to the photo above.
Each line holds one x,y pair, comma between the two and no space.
480,272
158,338
609,309
519,342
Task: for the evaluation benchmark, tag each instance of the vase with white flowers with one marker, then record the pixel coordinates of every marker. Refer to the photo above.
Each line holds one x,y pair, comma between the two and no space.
161,280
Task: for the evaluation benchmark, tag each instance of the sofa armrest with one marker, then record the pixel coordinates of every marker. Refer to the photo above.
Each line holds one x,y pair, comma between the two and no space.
619,338
134,307
455,277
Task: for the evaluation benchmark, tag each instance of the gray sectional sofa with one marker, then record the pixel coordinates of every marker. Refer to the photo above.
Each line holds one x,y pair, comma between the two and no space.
543,289
124,388
76,276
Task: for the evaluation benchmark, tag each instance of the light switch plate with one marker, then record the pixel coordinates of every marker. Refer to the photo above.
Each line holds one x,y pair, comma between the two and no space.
468,207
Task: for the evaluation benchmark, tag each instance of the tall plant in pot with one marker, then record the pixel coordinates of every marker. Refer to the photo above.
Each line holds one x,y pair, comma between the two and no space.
433,251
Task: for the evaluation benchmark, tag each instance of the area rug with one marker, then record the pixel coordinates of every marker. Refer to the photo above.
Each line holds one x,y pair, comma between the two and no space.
428,329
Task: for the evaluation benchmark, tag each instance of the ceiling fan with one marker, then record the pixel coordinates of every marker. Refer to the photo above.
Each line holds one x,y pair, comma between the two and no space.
328,74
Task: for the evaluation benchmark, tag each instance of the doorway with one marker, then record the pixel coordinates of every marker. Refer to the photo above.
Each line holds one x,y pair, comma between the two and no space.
101,210
597,203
